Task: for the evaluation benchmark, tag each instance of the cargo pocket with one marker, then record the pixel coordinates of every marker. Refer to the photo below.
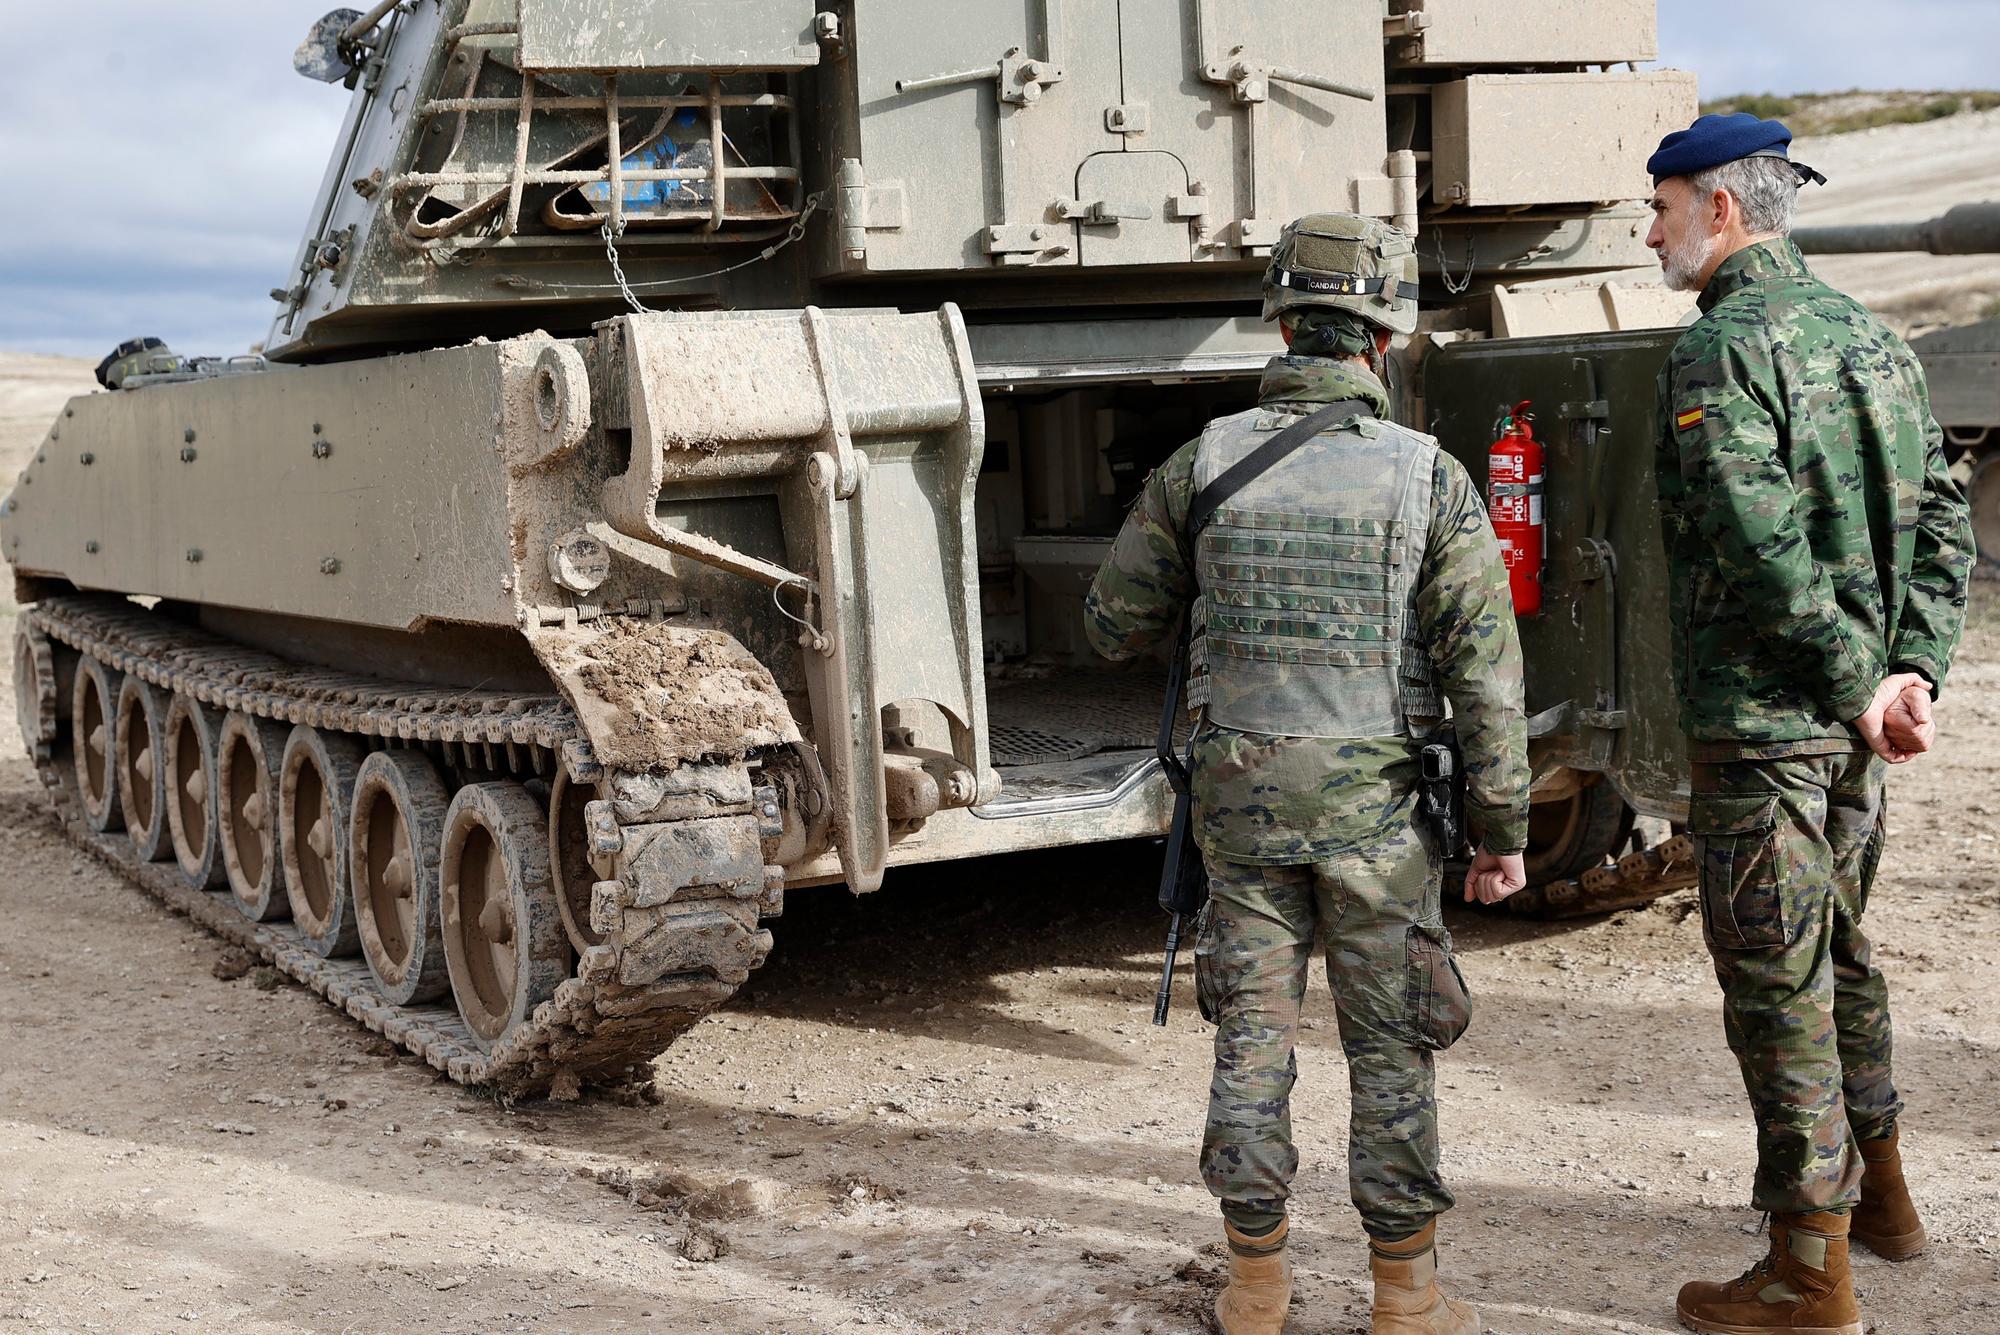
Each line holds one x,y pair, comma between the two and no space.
1736,850
1440,1005
1207,987
1871,856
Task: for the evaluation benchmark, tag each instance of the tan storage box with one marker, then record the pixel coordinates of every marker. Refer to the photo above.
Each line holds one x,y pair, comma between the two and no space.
1500,140
1528,32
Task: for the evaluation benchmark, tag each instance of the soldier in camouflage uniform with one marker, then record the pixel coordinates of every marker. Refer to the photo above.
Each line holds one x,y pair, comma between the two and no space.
1818,553
1337,603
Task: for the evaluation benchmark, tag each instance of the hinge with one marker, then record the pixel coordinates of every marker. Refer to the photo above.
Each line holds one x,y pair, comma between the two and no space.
1592,410
1610,720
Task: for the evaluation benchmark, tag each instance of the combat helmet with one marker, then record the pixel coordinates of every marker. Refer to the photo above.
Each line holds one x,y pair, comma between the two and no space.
1347,262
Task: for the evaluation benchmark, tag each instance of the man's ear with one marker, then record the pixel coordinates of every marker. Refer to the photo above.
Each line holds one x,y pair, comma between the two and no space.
1382,337
1285,328
1723,212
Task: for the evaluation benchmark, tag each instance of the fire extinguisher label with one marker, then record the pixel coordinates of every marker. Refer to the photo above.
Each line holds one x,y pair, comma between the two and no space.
1535,508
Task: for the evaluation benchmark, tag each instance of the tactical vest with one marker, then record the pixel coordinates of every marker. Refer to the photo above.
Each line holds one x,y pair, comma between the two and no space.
1306,622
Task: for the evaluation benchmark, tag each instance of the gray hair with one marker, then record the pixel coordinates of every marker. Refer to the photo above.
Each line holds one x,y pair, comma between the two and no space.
1766,189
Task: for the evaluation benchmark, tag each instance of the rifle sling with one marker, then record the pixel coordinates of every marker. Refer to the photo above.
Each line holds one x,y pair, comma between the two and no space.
1264,458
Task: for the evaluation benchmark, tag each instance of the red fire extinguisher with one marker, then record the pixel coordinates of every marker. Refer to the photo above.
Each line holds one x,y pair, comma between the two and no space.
1514,501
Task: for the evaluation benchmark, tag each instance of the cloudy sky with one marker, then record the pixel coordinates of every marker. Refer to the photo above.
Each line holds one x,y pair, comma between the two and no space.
162,158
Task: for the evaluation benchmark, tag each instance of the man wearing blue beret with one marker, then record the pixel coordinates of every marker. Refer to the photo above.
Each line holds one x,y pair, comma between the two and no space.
1818,554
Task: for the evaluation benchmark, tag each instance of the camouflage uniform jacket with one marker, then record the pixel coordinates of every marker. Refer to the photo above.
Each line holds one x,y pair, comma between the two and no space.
1275,800
1814,537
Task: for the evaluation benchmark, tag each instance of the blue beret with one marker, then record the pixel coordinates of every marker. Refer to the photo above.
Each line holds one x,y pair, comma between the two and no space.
1714,140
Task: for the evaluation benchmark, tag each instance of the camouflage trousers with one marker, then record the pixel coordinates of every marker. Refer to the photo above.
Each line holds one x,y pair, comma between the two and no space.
1400,998
1787,851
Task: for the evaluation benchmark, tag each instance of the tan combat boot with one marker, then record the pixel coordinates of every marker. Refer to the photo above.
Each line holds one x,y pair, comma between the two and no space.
1408,1300
1800,1288
1886,1221
1260,1287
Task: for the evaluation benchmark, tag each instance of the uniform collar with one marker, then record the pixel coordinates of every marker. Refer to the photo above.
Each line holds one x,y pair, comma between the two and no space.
1757,263
1318,380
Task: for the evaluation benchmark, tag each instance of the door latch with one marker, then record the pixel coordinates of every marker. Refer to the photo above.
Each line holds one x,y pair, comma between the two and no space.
1102,212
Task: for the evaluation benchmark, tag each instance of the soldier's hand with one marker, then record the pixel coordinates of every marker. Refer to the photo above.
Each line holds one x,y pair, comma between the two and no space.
1870,724
1494,876
1907,721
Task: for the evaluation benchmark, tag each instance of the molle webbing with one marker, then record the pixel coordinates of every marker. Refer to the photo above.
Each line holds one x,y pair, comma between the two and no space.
1303,588
1308,573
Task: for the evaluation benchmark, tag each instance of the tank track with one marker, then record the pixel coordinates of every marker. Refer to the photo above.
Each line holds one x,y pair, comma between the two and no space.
593,1031
1635,879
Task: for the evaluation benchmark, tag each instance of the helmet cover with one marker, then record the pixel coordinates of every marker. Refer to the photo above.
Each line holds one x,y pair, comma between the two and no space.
1344,262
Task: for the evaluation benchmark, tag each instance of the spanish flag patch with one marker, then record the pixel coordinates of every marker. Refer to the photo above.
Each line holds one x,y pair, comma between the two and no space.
1692,417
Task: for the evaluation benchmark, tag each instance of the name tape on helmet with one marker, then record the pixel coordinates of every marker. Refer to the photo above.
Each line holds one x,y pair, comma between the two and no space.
1342,285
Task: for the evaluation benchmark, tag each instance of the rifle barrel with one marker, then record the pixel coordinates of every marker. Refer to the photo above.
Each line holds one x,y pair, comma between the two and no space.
1166,993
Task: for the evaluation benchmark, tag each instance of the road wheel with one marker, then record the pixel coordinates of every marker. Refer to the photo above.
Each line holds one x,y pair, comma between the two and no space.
93,716
398,830
35,691
569,859
503,935
140,742
250,758
191,792
315,797
1567,836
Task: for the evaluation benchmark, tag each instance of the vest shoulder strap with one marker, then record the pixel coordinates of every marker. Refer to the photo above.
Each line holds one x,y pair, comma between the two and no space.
1261,460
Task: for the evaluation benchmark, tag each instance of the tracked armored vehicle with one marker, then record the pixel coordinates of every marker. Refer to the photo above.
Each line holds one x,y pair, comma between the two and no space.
679,455
1962,363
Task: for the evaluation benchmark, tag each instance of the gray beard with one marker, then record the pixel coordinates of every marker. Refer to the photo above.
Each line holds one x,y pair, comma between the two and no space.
1686,261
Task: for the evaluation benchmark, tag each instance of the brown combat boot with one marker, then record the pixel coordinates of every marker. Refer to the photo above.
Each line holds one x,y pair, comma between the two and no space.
1260,1287
1886,1221
1800,1288
1408,1300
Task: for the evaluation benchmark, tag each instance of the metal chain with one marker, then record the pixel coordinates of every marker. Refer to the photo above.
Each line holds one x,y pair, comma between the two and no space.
1456,288
795,232
618,270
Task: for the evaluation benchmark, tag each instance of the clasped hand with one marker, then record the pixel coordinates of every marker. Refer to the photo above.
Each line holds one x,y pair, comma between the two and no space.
1897,724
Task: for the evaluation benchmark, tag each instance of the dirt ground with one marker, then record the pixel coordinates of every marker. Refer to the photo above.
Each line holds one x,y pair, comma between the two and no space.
941,1108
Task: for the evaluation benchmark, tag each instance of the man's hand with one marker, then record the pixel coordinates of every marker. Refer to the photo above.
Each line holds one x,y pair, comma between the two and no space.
1494,876
1907,721
1912,736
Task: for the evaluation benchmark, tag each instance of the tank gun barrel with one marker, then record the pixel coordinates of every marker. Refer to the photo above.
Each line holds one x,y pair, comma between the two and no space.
1969,229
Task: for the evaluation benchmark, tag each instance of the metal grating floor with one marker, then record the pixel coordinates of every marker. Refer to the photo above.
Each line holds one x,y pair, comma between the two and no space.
1073,715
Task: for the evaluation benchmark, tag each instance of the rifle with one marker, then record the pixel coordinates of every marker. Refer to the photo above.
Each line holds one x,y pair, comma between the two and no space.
1183,878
